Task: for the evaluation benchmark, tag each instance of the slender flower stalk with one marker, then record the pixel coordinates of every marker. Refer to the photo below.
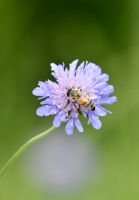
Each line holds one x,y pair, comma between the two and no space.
23,148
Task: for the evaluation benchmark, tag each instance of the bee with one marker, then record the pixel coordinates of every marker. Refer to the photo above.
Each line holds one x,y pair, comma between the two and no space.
77,96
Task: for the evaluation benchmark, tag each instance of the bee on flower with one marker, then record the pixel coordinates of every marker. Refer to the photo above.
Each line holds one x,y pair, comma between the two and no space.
81,90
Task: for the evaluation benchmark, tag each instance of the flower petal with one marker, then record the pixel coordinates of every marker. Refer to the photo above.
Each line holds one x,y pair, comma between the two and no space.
69,127
72,71
42,90
47,101
56,121
95,121
108,100
73,66
103,78
46,110
58,71
92,69
104,109
43,111
107,90
99,112
54,67
100,85
79,70
62,116
78,125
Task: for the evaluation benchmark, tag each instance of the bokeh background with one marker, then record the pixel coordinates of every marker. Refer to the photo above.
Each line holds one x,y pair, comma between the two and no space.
97,164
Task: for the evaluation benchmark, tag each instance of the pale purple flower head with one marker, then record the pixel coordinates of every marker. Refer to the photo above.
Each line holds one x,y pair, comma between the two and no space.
77,91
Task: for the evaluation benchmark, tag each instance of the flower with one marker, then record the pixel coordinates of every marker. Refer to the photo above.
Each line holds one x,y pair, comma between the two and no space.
77,91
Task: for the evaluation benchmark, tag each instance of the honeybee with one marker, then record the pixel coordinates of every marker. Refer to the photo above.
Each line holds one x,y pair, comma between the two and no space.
77,96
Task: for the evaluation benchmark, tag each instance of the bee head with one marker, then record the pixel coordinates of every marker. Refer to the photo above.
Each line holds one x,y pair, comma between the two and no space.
74,94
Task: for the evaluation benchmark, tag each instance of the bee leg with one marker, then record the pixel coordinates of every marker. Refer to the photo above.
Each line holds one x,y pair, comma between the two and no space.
69,112
93,107
79,110
68,102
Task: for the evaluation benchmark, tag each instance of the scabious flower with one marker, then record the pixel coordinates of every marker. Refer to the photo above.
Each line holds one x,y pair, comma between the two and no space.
77,91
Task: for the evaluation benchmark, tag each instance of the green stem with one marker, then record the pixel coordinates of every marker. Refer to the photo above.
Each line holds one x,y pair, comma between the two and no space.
23,148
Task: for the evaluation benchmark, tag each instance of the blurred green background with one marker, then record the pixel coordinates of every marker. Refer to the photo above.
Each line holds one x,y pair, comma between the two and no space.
35,33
